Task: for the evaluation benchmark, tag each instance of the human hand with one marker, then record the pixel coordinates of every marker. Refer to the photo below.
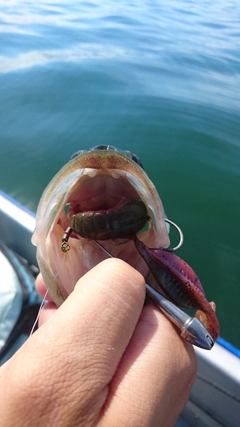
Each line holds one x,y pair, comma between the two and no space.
103,359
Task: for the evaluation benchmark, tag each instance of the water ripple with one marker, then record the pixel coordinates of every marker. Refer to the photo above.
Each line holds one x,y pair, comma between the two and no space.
24,61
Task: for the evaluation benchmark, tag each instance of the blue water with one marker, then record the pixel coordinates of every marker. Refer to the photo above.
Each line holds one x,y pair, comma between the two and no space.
161,79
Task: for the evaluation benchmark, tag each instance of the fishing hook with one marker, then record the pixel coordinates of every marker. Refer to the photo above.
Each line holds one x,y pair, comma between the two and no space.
180,235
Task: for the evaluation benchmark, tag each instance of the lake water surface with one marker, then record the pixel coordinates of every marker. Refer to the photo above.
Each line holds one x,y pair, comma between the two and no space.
161,79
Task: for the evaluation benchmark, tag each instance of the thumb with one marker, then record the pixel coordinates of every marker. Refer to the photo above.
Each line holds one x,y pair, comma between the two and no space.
68,363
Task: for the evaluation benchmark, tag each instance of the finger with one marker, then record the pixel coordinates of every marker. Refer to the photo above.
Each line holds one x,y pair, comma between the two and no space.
155,376
74,355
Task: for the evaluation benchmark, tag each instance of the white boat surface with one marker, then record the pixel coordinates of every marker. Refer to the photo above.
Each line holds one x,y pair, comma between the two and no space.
215,397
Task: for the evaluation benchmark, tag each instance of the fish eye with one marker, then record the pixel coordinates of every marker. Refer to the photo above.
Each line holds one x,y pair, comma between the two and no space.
77,154
104,148
134,157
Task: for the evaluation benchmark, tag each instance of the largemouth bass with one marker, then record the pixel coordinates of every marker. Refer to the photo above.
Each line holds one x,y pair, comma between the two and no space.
104,194
92,181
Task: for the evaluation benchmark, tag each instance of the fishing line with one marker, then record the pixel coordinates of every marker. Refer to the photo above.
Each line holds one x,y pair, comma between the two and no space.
61,266
44,298
38,315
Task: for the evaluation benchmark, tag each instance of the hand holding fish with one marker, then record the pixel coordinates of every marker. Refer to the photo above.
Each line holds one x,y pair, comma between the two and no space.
103,359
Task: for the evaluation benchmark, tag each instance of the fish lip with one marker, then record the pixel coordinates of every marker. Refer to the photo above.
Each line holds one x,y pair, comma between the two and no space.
106,148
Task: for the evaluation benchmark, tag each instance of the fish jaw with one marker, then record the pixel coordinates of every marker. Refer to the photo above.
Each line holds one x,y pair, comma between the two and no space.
87,182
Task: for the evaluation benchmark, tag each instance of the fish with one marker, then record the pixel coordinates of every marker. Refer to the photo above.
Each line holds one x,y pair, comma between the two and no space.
92,180
104,194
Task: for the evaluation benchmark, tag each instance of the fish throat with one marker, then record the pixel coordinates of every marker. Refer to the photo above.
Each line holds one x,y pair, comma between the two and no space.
106,208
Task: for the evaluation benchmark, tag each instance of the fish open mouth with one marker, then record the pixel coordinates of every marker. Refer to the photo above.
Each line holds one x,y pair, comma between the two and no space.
100,196
105,209
101,192
95,183
104,194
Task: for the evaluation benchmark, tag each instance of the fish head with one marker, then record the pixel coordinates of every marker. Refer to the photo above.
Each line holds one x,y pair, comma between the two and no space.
91,181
